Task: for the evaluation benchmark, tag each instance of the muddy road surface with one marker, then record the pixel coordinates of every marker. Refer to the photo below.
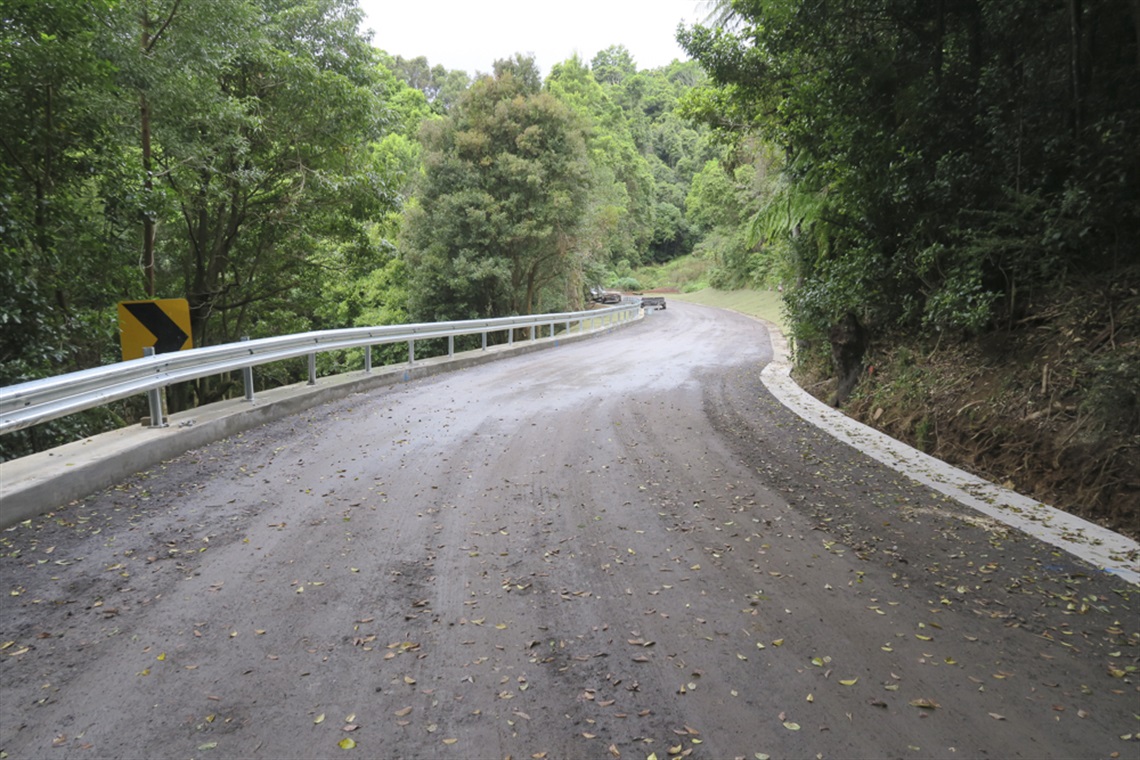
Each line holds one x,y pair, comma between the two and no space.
619,548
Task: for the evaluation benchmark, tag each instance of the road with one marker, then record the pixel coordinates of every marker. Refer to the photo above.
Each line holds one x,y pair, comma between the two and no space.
618,548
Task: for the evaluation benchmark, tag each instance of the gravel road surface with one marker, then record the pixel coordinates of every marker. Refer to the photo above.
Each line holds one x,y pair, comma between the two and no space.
619,548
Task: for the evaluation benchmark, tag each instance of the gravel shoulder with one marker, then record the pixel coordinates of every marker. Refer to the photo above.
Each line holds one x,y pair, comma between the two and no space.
617,548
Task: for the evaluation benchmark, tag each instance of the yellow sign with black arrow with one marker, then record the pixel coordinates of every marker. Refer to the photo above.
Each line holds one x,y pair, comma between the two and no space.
162,324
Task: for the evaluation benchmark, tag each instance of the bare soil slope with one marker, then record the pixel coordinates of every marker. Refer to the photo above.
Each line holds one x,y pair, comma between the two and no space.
1048,406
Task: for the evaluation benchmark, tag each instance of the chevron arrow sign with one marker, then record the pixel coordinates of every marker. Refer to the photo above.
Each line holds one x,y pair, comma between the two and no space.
163,324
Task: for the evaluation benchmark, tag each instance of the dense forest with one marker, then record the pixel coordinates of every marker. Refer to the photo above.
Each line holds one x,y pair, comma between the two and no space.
934,187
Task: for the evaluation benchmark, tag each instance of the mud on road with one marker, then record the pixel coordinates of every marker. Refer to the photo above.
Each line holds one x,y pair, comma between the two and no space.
615,549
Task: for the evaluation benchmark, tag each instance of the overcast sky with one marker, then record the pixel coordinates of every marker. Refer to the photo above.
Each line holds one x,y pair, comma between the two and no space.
472,34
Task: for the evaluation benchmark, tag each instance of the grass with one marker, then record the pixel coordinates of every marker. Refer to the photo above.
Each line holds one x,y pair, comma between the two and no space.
686,273
690,274
766,304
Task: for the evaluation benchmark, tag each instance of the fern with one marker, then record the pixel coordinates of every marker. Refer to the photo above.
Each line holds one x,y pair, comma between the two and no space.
793,205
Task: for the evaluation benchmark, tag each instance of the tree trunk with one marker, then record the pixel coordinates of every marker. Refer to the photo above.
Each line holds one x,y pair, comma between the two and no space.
848,344
1136,26
1075,64
149,227
147,166
146,44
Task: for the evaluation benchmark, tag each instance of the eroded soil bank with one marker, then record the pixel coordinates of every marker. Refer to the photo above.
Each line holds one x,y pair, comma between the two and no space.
1047,405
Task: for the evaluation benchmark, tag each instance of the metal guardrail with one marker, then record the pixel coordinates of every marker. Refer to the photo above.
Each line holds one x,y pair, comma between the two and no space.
37,401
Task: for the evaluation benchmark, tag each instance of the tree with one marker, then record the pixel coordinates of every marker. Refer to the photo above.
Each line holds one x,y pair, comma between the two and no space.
620,221
441,87
497,218
264,158
966,153
65,213
613,65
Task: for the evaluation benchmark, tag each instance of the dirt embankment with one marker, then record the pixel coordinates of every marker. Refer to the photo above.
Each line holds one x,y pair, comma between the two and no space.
1049,405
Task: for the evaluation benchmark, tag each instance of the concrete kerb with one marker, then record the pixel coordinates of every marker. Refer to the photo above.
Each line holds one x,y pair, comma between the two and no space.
42,482
1104,548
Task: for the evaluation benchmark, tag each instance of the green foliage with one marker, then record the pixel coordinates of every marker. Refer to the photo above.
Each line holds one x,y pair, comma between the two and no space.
626,284
440,87
495,230
965,154
674,149
619,221
260,144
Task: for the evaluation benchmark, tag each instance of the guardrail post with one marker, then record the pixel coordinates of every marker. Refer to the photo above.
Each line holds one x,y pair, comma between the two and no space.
312,369
154,398
411,351
510,336
247,376
367,359
484,340
450,346
532,332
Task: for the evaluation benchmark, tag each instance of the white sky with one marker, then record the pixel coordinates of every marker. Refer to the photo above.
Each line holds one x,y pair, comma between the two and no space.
472,34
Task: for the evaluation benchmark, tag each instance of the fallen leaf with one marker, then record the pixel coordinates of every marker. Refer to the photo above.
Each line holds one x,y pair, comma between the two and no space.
926,704
319,719
791,726
449,742
346,743
849,681
614,750
996,716
403,712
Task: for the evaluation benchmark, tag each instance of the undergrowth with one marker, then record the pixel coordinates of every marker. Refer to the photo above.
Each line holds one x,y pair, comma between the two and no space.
1048,405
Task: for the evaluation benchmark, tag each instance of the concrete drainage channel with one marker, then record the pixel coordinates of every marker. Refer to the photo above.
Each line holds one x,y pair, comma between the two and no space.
1097,545
39,483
